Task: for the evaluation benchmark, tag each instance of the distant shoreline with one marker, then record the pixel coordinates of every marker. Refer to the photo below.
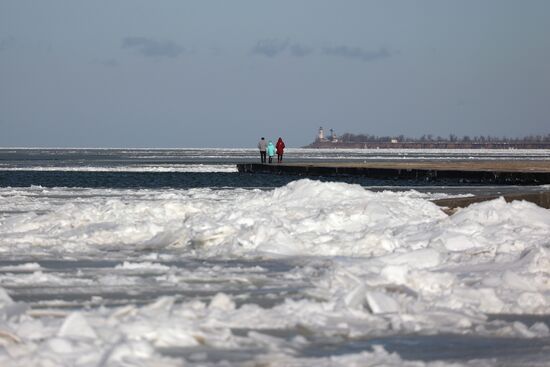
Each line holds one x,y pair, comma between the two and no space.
428,145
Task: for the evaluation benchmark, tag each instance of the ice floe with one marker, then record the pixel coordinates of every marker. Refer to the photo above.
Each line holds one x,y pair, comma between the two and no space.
362,265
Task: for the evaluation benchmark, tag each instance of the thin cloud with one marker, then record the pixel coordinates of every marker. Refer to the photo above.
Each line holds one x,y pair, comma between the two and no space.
270,47
152,48
357,53
299,50
107,62
273,47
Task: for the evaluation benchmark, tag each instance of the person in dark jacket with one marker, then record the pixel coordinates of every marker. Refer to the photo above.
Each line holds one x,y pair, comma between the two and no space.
262,145
280,150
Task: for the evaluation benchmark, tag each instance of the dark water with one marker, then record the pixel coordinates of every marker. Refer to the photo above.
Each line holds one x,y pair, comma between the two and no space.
452,348
75,168
178,180
186,180
138,180
448,347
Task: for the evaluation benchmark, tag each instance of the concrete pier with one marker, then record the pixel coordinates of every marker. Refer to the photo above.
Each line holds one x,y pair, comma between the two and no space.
478,172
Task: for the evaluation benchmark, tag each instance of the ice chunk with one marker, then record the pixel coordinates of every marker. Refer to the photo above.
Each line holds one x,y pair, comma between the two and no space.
9,308
223,302
143,266
356,297
76,326
381,303
5,298
60,346
416,259
129,352
514,280
460,242
395,273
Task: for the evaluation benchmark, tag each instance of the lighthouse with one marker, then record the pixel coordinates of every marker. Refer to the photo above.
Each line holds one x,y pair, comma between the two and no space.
321,136
333,137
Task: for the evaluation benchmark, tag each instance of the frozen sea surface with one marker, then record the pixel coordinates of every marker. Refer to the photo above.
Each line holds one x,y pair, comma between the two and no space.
309,273
168,257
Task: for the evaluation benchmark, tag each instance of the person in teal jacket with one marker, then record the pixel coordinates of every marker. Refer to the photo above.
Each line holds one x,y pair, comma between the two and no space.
270,151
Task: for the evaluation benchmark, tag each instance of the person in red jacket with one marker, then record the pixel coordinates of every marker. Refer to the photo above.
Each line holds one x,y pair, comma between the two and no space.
280,149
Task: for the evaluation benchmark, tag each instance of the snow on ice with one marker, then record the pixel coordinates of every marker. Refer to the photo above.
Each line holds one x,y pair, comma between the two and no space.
375,264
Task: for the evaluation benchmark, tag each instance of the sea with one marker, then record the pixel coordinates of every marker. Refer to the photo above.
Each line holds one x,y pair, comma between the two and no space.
171,257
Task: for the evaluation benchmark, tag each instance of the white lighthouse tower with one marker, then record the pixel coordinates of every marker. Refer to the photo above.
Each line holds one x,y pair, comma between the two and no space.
333,137
321,136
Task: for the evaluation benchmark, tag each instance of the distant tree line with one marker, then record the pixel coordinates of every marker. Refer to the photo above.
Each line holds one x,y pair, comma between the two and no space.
367,138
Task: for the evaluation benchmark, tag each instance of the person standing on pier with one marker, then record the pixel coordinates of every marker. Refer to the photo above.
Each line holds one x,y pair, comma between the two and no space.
262,146
280,150
270,151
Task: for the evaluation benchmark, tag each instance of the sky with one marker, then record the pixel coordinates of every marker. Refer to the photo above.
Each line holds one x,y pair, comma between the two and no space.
206,73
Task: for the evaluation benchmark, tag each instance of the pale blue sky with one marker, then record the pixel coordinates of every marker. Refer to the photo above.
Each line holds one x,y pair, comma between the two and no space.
205,73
